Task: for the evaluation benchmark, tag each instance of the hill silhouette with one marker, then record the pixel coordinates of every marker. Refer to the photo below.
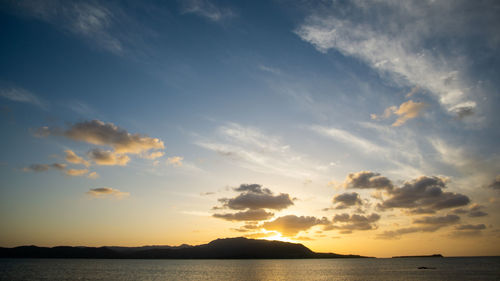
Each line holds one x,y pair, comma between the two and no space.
228,248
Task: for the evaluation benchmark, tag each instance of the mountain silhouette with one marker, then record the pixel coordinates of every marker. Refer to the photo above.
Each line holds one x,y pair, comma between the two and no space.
228,248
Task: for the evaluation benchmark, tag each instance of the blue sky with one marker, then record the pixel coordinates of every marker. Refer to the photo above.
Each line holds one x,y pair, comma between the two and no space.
119,114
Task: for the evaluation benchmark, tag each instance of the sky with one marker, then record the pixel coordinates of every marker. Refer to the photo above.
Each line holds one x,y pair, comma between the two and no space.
354,127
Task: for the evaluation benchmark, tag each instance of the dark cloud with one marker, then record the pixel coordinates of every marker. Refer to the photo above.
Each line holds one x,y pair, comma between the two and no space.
421,211
436,220
495,184
44,167
367,179
348,223
425,224
255,188
346,200
396,234
468,230
474,211
424,192
291,225
464,111
249,215
471,227
253,196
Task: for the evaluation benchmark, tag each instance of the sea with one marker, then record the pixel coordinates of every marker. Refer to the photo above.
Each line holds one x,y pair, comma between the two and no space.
455,269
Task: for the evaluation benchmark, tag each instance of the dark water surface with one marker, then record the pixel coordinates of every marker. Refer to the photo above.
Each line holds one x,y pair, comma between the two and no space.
479,268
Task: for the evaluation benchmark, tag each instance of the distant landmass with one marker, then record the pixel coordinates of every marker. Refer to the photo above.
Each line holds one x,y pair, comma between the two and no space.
423,256
228,248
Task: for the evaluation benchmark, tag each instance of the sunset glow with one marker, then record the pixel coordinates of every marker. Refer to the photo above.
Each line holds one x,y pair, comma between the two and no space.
352,127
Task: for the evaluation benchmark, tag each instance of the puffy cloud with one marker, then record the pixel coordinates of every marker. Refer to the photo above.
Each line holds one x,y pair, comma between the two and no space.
249,215
367,179
44,167
22,95
76,172
253,196
254,188
108,158
253,200
291,225
107,134
71,157
105,192
346,200
424,192
348,223
175,161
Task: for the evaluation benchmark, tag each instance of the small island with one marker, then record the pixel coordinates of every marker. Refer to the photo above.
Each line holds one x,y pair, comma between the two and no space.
422,256
228,248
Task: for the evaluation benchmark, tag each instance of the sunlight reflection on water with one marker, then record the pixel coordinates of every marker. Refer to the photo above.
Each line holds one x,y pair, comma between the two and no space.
324,269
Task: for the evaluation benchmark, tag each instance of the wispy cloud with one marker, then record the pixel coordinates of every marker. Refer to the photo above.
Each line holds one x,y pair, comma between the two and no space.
22,95
206,9
346,137
255,150
391,38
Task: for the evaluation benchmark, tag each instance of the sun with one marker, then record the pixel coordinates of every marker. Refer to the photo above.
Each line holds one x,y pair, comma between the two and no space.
277,236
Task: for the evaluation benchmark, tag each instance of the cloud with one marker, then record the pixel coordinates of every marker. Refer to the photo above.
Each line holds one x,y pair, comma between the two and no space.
257,200
249,215
22,95
495,184
291,225
436,220
107,192
76,172
206,9
258,151
93,175
393,38
108,134
424,192
44,167
367,179
347,138
71,157
175,161
346,200
470,227
406,111
396,234
348,223
107,158
154,155
90,20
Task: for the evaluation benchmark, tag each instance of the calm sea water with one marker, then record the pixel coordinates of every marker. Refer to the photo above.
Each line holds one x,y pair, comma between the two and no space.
320,269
